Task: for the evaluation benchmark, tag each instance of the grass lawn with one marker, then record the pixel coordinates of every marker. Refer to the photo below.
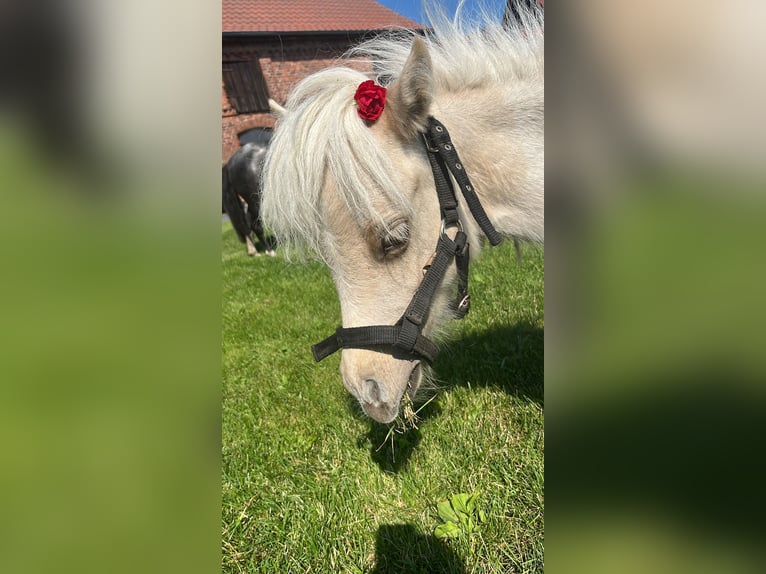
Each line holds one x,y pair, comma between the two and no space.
310,485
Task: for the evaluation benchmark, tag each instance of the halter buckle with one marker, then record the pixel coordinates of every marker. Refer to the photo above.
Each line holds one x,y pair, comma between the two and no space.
462,308
427,142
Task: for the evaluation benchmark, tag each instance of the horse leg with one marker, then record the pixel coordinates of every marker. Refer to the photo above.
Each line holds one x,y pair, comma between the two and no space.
262,238
252,225
251,250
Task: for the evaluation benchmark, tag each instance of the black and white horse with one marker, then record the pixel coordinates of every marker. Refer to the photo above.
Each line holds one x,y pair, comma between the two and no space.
241,195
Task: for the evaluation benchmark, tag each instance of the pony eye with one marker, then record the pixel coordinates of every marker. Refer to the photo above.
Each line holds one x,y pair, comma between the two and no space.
394,242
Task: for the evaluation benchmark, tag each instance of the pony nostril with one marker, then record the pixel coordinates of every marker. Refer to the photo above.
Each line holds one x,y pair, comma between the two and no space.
372,391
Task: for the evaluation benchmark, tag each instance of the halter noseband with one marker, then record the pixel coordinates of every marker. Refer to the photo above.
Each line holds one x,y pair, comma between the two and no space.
405,338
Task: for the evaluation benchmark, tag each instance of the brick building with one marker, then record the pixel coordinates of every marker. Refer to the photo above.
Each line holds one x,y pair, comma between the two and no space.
270,45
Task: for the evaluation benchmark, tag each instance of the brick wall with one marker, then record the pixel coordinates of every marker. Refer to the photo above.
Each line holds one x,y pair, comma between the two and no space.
285,61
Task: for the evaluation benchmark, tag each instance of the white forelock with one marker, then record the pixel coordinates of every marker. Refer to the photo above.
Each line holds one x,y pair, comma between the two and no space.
321,133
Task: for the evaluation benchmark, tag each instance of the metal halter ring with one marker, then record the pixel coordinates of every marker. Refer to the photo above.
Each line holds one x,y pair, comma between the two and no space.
443,228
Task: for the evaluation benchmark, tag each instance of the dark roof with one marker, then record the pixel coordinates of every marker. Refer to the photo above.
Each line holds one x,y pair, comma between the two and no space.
309,16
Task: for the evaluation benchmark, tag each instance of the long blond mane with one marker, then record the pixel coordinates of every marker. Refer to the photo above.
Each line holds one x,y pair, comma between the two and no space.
320,134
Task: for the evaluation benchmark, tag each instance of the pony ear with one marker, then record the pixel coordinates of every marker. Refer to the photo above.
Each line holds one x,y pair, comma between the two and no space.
276,110
409,97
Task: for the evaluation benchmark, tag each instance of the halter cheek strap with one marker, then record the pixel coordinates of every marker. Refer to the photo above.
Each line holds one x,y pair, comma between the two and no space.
406,337
442,155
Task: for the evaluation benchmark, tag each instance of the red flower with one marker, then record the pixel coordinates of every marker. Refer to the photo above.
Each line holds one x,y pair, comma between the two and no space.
371,99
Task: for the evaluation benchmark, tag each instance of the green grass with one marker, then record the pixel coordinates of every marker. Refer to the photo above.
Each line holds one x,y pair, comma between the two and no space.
310,485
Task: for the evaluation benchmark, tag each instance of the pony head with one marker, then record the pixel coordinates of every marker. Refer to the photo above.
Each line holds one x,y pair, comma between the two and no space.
361,193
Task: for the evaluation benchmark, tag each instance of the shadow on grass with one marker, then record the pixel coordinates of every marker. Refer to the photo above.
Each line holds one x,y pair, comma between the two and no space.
391,452
401,549
686,447
509,358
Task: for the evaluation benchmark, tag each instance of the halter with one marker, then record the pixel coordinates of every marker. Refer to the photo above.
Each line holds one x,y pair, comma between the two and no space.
405,338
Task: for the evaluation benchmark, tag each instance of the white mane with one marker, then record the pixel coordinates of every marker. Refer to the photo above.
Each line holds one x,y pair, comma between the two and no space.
464,56
321,135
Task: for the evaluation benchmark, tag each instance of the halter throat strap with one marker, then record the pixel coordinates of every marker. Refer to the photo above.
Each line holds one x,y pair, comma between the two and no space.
405,338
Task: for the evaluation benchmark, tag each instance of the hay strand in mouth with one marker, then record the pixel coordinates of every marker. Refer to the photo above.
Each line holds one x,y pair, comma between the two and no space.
407,420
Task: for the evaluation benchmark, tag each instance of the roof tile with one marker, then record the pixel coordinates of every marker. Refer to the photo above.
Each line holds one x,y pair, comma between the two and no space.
309,16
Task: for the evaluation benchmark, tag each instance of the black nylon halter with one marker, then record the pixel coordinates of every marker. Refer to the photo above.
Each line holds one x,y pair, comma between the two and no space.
405,337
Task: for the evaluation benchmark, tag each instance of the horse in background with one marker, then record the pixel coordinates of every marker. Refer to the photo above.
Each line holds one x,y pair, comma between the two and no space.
240,189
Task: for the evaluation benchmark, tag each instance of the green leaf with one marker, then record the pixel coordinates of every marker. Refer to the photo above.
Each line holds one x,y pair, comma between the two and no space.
471,525
460,503
482,516
470,504
447,530
446,513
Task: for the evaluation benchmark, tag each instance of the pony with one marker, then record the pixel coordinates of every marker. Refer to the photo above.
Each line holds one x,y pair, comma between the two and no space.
360,193
240,190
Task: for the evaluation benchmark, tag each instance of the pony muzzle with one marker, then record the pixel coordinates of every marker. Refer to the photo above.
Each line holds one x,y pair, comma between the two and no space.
379,381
